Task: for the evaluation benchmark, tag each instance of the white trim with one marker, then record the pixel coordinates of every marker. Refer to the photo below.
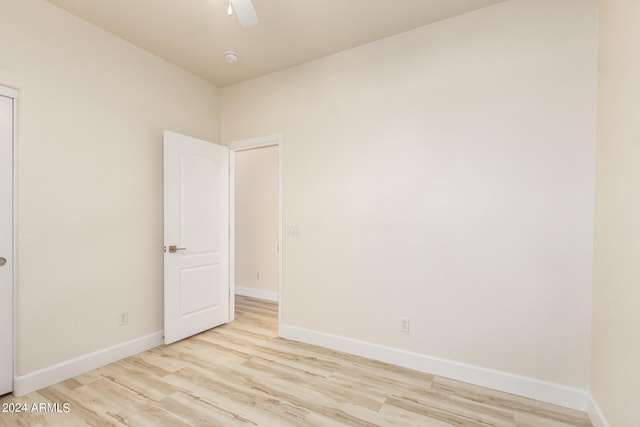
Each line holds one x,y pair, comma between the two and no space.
15,237
256,293
13,94
14,243
232,240
8,92
544,391
260,141
246,144
595,413
25,384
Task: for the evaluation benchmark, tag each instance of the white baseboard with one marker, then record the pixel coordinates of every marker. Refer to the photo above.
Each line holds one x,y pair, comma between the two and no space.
595,413
256,293
544,391
25,384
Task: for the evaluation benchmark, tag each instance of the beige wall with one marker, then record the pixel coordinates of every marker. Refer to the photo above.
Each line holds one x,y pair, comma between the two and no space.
256,221
445,174
91,113
615,368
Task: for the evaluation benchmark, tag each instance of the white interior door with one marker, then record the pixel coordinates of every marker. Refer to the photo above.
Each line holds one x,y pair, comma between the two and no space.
6,244
196,236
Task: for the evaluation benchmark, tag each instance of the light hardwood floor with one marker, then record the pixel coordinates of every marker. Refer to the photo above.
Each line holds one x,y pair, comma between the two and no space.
241,374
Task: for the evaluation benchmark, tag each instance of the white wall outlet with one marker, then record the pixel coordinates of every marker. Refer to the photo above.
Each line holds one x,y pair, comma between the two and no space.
123,318
404,324
293,231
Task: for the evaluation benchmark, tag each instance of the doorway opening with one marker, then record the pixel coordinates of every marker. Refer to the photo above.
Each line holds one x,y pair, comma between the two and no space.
256,218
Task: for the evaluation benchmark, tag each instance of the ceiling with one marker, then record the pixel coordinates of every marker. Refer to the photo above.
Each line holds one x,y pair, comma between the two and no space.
195,34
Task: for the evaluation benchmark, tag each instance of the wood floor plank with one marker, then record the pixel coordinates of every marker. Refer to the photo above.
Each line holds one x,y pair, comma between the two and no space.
241,374
81,404
201,412
453,414
516,404
234,393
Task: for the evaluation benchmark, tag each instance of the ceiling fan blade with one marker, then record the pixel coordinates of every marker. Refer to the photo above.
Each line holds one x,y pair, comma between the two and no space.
246,13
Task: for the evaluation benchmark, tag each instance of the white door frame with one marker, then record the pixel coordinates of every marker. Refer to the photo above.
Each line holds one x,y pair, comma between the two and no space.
248,144
13,93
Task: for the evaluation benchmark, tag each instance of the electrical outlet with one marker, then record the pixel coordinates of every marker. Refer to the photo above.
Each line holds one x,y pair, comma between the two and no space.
404,324
123,318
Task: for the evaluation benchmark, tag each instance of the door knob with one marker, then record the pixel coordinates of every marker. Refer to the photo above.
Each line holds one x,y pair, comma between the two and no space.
3,261
173,249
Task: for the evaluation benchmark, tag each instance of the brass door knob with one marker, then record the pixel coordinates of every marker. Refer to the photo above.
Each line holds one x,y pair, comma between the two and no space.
3,261
173,249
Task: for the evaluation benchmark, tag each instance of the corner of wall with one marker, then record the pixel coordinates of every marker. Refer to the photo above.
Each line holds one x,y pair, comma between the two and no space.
595,413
